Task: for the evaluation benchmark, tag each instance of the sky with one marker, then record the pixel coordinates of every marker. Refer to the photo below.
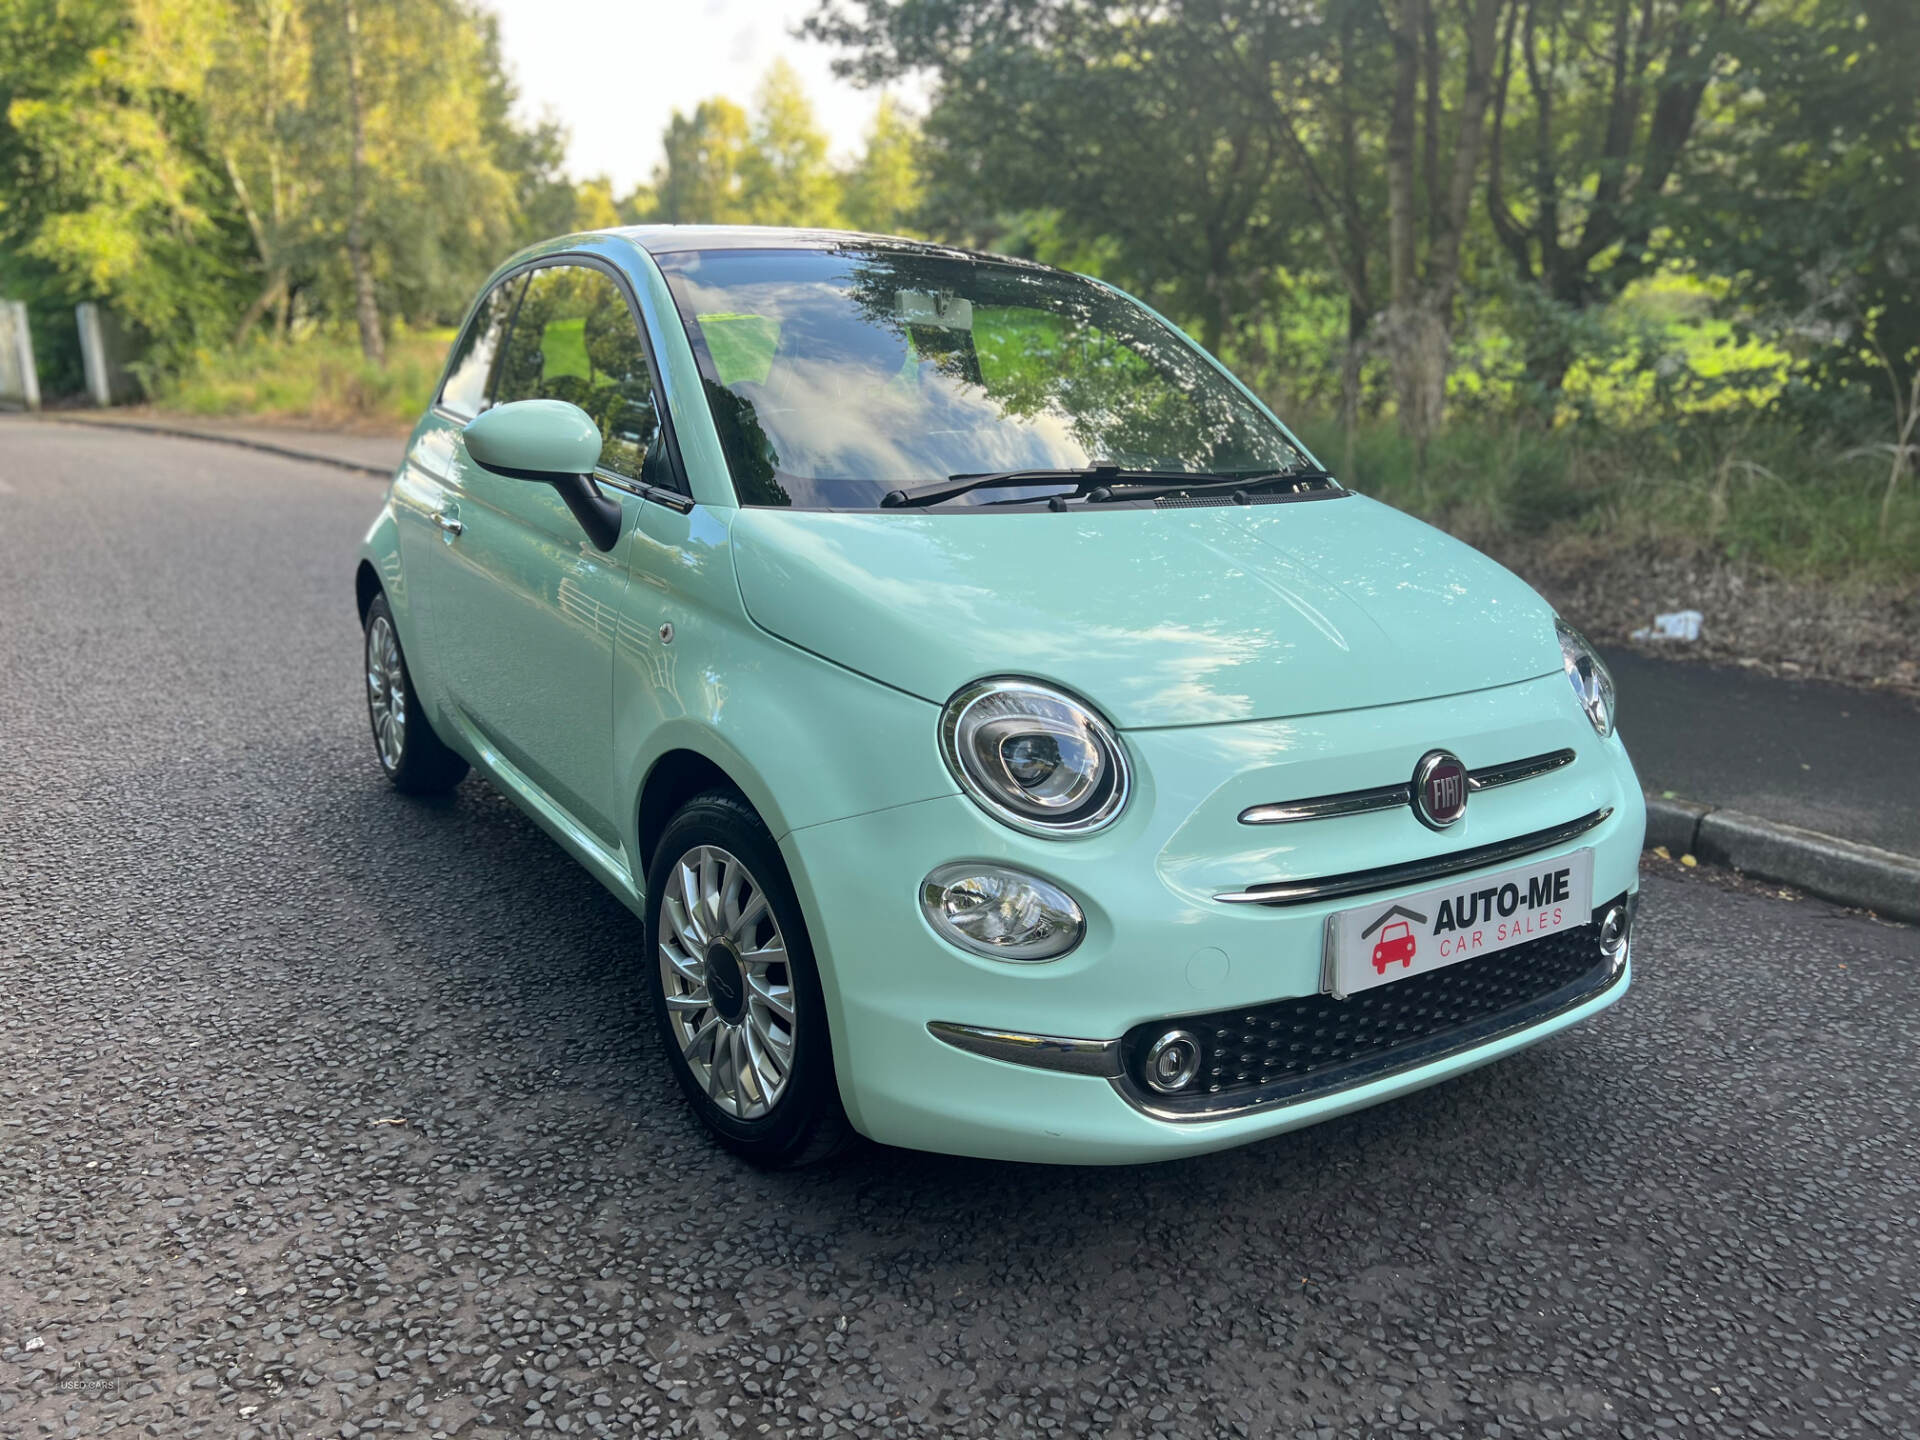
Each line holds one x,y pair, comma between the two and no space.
613,71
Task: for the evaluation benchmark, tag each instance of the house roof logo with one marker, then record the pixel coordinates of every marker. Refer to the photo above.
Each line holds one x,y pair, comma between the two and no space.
1396,912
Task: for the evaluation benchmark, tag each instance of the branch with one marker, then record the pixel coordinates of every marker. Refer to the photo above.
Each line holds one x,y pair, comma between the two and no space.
1334,212
1546,181
246,208
1506,225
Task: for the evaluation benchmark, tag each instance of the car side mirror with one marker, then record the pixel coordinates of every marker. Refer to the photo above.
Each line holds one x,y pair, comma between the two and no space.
550,442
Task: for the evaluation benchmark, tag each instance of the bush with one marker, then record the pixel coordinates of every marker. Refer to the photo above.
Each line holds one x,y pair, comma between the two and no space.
1752,491
319,380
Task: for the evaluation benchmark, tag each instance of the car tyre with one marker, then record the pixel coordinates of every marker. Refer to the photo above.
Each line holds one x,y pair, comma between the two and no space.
736,992
415,759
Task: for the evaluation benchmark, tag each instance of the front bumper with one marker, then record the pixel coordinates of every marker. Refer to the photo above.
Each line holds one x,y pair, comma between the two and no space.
1288,1051
1159,943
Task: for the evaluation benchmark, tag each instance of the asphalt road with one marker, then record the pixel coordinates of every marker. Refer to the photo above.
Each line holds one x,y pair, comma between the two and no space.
1806,752
326,1112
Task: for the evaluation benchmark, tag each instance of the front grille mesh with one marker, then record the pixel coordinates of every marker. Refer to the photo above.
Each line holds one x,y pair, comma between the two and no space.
1313,1043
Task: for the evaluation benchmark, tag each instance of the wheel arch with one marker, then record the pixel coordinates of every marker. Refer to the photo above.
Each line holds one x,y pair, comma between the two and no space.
675,777
366,585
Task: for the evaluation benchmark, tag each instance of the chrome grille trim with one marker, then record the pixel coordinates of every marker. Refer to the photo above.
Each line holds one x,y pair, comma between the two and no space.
1043,1052
1514,771
1328,807
1393,877
1388,797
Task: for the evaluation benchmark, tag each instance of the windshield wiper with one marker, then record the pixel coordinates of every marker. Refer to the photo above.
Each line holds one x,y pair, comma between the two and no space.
1096,483
955,485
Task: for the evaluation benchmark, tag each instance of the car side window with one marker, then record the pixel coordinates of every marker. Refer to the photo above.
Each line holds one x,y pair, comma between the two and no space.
465,393
575,339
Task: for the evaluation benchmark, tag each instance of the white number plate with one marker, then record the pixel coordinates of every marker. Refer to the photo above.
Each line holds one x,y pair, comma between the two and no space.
1391,939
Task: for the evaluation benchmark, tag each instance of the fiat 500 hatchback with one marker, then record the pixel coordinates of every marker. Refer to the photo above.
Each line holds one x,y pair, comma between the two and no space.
1012,740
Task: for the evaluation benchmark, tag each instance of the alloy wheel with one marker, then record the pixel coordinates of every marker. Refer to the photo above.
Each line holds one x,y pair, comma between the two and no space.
724,973
387,691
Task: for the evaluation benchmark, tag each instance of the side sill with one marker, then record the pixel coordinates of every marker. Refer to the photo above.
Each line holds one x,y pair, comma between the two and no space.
607,866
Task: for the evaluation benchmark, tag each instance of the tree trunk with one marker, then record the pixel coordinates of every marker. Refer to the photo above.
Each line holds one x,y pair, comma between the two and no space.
1419,326
1402,329
273,294
1402,236
1420,340
366,306
1357,319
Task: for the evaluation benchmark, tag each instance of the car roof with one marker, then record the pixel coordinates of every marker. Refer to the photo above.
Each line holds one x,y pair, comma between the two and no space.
673,239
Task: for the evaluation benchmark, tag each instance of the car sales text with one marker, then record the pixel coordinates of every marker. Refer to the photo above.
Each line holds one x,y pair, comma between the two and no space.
1503,909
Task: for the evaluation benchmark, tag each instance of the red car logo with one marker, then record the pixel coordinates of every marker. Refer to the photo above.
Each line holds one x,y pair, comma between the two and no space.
1395,943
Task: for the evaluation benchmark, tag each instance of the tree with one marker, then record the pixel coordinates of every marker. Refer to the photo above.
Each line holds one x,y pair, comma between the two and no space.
440,173
1428,150
883,190
202,164
785,178
1808,206
1595,103
1113,117
366,308
1424,259
105,187
594,207
256,83
1196,132
698,180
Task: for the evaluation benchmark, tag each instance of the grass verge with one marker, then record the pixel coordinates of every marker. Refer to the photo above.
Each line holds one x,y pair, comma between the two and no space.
323,381
1752,495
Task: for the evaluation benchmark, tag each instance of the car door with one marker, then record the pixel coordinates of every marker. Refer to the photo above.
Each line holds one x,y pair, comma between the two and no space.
526,606
426,491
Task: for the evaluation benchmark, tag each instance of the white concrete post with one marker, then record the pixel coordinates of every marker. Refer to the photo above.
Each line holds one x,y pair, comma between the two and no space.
19,379
93,353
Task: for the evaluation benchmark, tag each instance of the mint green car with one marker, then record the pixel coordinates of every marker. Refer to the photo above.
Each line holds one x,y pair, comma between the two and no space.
1012,740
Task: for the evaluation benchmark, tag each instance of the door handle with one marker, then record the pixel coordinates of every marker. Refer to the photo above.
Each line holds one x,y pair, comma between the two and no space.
449,523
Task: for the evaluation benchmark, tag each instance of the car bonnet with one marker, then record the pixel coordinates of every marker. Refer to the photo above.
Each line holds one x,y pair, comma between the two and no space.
1158,616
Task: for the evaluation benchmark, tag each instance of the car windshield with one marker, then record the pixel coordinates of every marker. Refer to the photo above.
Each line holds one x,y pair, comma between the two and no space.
837,376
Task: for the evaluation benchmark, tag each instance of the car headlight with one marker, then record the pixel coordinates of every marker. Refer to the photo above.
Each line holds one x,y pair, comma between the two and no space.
1034,757
1591,680
1001,913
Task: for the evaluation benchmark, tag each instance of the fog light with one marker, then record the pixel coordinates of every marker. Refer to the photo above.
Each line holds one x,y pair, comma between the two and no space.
1001,913
1172,1061
1614,929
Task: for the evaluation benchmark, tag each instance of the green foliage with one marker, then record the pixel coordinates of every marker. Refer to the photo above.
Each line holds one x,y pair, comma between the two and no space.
1138,132
1687,305
699,181
320,380
1810,207
103,180
1753,489
784,175
185,161
721,165
1228,160
883,191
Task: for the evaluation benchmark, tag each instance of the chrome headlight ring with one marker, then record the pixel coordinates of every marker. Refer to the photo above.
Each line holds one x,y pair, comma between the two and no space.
1034,757
1588,674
